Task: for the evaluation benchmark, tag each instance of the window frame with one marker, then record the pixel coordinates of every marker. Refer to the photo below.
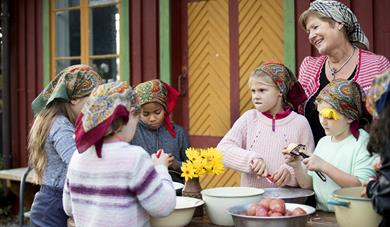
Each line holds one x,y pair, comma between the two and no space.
85,57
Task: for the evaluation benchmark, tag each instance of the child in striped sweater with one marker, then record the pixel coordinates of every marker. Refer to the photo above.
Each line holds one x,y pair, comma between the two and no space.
254,144
109,182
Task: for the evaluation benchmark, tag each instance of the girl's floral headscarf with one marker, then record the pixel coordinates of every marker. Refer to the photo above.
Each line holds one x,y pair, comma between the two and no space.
342,14
73,82
106,103
347,98
378,96
162,93
285,80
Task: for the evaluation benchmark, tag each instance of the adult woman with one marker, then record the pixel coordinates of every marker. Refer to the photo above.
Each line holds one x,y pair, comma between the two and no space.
334,31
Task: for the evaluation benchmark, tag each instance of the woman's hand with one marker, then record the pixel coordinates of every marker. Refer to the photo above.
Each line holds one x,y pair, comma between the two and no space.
259,167
314,163
281,177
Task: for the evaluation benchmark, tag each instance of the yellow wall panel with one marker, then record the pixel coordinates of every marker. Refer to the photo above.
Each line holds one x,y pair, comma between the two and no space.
260,40
208,68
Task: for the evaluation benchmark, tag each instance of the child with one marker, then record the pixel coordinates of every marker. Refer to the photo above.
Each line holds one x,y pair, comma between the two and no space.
51,142
341,155
155,130
109,182
378,103
253,145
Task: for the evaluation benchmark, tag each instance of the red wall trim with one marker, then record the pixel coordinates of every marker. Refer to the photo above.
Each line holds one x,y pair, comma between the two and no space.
234,61
204,141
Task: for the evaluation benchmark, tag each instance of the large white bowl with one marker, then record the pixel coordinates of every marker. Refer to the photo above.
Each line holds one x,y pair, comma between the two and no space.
218,200
181,216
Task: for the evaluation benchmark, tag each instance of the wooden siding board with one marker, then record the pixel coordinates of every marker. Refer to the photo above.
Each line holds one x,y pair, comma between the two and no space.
21,86
29,80
136,42
381,22
150,61
234,62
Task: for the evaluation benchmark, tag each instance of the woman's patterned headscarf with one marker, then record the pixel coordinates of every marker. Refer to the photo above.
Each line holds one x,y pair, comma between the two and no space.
292,91
342,14
378,96
347,98
106,103
73,82
162,93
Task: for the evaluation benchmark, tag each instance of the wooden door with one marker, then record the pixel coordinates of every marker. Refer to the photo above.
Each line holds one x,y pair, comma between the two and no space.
223,42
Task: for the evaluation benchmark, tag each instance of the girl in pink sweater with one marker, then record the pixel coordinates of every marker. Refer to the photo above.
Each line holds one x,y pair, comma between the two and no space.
254,144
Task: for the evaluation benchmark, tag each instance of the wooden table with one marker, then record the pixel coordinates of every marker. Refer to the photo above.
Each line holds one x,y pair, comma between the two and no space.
319,219
13,178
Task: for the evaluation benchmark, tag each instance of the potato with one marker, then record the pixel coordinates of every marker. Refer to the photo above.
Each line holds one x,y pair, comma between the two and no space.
291,146
278,206
276,214
252,210
265,202
298,211
261,211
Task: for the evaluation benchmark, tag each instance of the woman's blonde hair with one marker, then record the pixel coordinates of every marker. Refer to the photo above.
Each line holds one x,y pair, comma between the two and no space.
308,13
39,132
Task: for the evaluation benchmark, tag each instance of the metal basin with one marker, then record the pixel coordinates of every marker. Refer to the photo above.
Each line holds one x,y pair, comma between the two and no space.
289,195
285,221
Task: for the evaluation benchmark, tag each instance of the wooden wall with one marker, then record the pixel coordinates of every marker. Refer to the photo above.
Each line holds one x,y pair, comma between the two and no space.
25,71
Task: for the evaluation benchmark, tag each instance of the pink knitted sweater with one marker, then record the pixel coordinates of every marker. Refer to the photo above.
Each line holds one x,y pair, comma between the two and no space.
251,137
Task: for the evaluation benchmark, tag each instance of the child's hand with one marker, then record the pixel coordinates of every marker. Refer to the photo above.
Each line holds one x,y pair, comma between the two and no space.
363,193
172,163
314,163
161,160
281,177
376,164
293,161
258,167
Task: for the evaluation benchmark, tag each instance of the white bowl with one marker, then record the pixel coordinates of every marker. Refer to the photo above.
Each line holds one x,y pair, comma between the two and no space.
218,200
181,216
177,185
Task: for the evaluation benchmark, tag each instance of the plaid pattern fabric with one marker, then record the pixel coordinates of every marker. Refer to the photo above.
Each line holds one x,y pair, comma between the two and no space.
73,82
342,14
378,95
346,97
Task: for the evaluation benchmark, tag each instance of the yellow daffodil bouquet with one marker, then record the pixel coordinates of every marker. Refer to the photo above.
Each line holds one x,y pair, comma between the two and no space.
201,162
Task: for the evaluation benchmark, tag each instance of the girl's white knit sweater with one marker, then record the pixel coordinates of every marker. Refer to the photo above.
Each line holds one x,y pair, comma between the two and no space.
122,188
252,137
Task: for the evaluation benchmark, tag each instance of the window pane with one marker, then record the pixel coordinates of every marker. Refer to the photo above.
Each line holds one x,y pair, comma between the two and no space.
62,64
97,2
107,68
104,36
67,33
66,3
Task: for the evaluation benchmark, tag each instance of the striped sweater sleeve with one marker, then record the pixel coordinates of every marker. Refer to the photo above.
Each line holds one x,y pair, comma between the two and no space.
233,146
66,199
153,187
